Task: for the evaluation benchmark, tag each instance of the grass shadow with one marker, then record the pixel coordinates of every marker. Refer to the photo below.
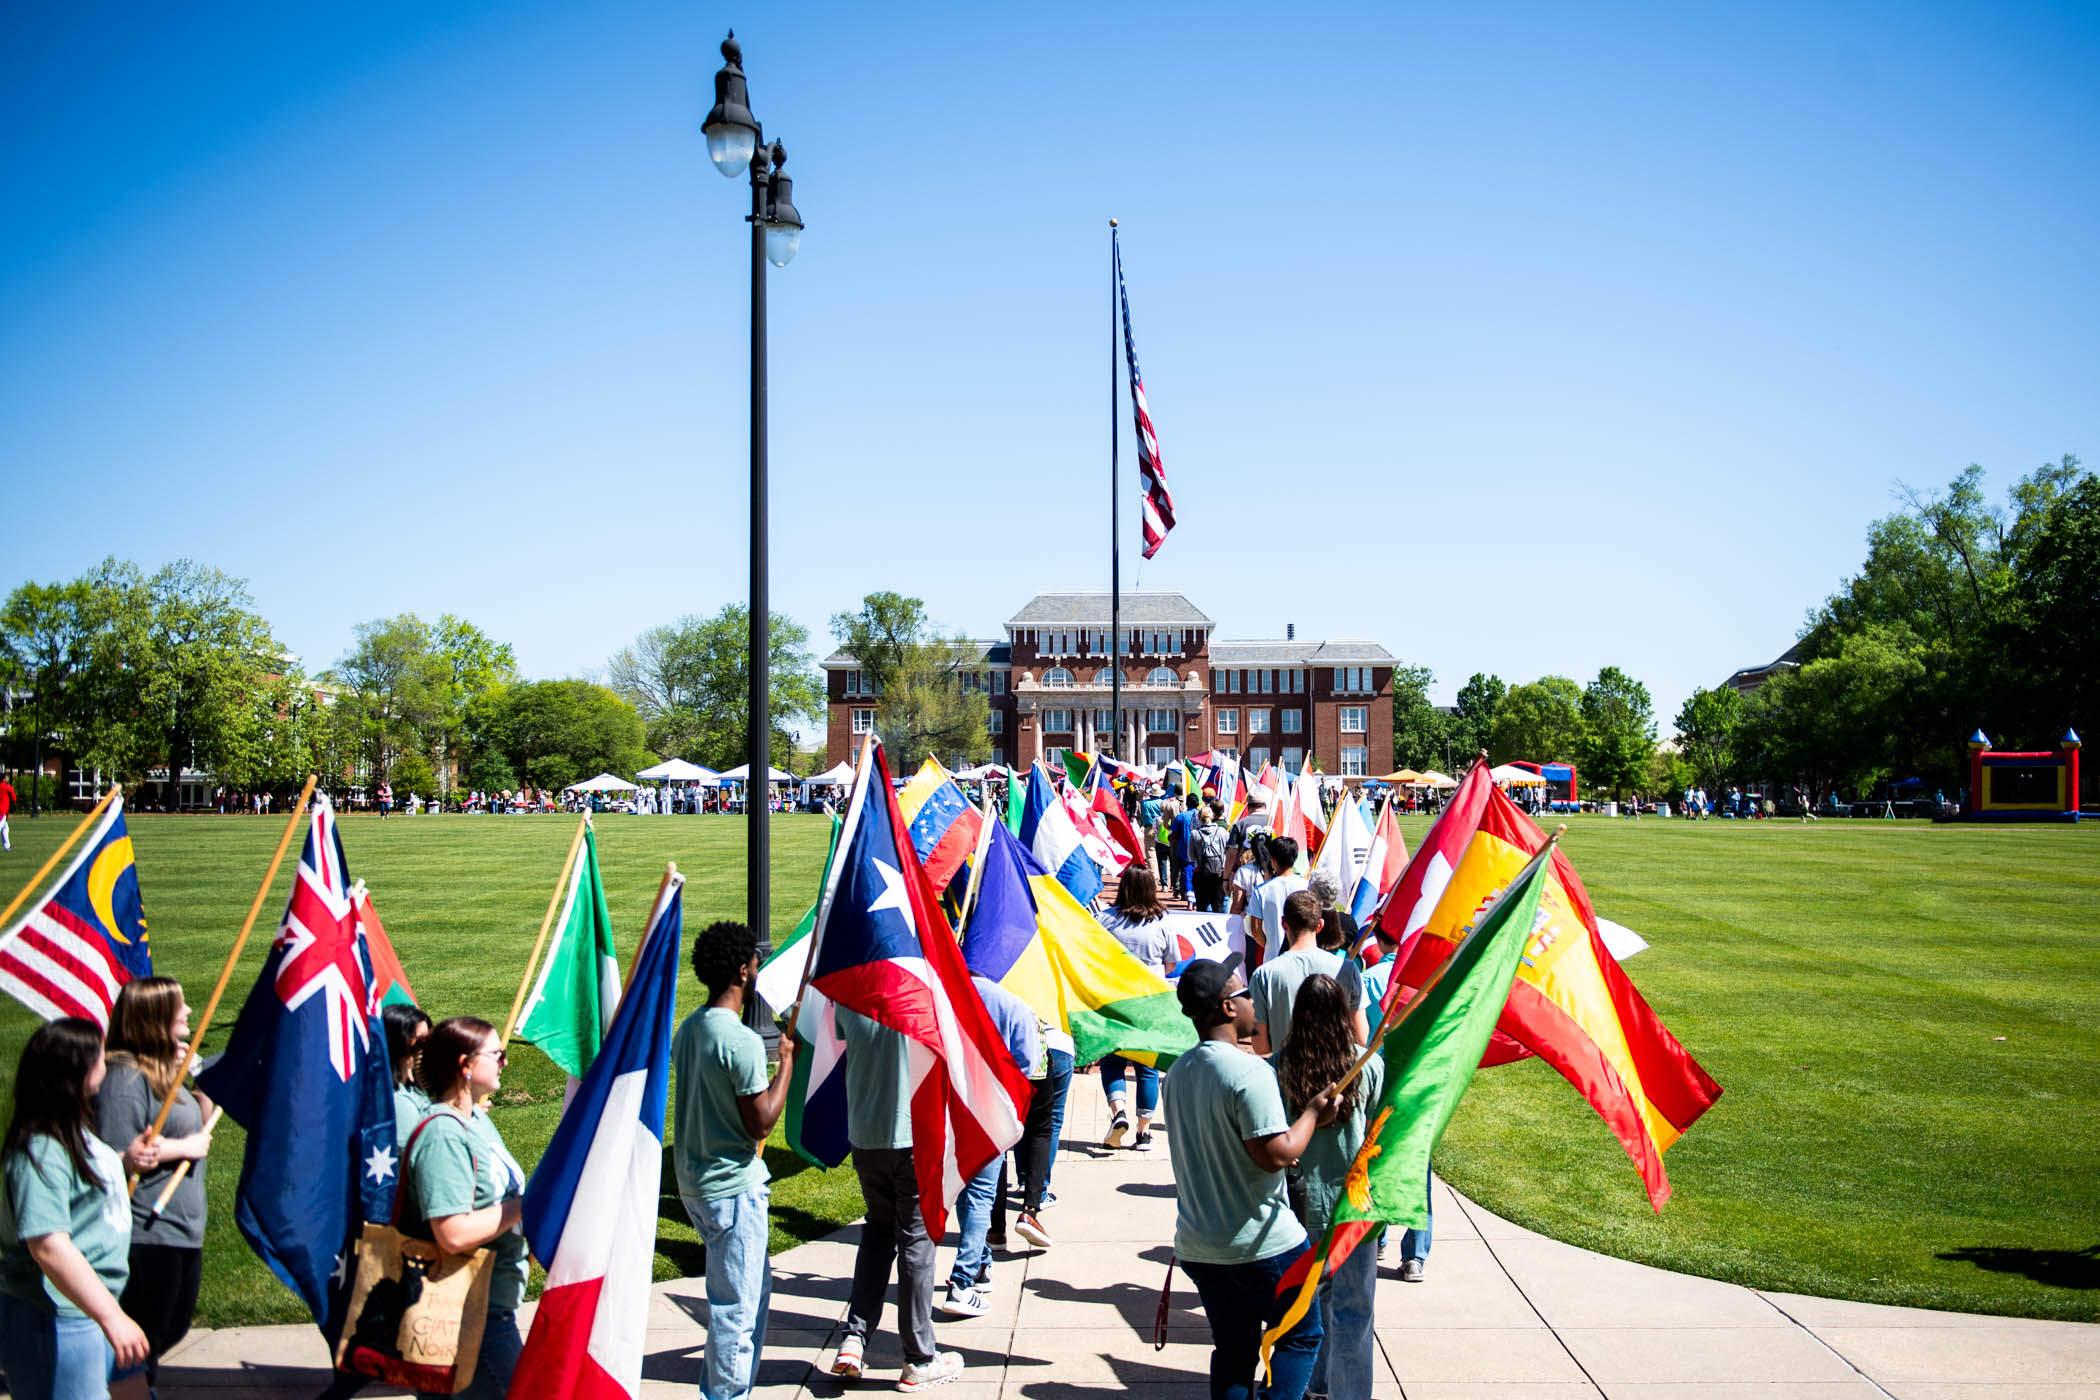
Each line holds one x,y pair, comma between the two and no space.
2055,1268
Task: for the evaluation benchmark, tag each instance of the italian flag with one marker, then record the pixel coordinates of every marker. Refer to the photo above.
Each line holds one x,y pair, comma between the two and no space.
1431,1049
578,989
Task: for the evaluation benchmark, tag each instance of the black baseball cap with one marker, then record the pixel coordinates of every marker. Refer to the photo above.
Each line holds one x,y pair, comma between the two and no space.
1203,985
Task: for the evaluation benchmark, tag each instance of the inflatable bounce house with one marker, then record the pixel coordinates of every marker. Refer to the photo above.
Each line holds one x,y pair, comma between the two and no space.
1560,778
2022,787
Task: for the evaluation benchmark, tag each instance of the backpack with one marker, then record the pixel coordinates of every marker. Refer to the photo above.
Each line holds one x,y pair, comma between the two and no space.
1210,849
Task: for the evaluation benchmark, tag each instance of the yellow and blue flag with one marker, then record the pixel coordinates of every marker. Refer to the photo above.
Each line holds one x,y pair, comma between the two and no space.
85,939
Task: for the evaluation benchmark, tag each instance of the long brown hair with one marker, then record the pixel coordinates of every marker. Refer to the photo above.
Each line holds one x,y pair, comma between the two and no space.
451,1040
142,1030
1320,1047
1137,896
51,1095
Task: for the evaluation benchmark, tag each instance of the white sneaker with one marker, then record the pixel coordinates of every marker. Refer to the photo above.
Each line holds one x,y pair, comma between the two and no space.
1119,1130
966,1302
847,1363
945,1367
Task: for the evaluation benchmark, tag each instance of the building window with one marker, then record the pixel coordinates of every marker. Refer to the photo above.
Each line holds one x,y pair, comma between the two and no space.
998,682
1161,643
1257,721
1057,721
1055,757
1257,756
1158,756
860,683
863,721
1293,721
1222,682
1352,680
1163,675
1356,763
999,754
1229,752
1355,719
994,723
1097,642
1228,721
1057,676
1297,680
1293,761
1104,720
1160,721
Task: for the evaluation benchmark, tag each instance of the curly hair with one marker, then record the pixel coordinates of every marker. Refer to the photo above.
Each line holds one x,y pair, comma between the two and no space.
719,953
1320,1047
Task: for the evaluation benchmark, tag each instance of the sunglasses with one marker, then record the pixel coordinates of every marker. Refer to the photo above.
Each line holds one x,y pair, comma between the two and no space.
501,1057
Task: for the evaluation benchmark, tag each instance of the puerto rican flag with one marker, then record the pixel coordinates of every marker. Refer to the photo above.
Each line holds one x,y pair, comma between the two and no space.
590,1208
884,949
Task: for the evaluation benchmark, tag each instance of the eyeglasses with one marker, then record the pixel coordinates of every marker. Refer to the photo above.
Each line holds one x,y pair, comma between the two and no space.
501,1057
1242,992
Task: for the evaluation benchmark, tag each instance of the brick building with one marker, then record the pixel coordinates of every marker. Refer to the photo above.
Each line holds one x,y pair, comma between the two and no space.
1184,690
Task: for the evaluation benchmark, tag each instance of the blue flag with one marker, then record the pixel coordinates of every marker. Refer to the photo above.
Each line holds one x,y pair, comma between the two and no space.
306,1075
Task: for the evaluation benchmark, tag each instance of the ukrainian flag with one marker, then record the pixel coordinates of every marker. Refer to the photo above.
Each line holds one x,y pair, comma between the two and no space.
1033,938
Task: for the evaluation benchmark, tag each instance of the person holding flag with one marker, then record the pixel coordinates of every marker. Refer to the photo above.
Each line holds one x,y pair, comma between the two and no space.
725,1108
1234,1233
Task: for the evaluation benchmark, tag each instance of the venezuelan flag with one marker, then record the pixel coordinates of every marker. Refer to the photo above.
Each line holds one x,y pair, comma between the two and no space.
1033,938
942,822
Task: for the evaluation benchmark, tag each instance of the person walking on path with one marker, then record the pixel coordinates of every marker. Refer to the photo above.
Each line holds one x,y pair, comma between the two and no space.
465,1186
1276,982
148,1052
1163,840
386,799
971,1276
725,1108
1139,922
1234,1234
7,804
1185,823
65,1227
1213,838
878,1128
1322,1045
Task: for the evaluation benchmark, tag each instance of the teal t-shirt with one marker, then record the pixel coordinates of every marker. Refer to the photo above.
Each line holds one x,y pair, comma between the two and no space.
878,1083
1325,1165
719,1059
410,1104
45,1195
1276,983
1230,1211
461,1165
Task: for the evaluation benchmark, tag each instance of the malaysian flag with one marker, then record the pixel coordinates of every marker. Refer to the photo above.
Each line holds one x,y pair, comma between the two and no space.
76,946
1159,502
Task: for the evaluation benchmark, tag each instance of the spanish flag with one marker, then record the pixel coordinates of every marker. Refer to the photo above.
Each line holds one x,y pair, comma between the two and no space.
1571,1004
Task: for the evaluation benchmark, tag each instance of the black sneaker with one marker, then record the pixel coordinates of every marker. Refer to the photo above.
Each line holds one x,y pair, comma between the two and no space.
1144,1141
1119,1130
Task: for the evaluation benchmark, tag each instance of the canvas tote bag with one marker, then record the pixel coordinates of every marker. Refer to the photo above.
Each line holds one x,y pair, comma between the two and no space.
416,1312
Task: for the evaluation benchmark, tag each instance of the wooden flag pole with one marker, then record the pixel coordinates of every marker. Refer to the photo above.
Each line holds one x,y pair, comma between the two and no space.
561,886
670,874
862,770
1394,1015
233,955
167,1193
36,881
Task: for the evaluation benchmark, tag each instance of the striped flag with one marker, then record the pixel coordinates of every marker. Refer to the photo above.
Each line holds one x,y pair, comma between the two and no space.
76,946
1159,502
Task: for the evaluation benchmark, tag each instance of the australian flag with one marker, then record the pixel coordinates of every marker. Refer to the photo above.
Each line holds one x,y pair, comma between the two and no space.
306,1075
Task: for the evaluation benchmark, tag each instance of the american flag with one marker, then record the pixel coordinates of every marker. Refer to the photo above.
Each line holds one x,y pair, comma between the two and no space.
1159,502
85,939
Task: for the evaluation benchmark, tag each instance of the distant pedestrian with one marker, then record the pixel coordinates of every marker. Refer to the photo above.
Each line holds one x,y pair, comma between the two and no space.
7,804
1213,838
386,800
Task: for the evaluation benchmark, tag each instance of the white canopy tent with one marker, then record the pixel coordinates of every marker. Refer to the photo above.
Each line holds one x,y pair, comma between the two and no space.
1516,777
742,773
1434,779
977,774
841,776
604,782
677,770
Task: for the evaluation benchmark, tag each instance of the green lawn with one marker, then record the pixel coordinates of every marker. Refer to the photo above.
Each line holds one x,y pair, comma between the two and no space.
462,898
1905,1018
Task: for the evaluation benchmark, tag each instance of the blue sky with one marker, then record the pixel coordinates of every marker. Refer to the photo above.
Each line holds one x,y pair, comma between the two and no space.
1524,339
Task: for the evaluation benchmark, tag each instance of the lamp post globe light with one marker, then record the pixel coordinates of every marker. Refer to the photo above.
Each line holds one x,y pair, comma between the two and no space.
736,143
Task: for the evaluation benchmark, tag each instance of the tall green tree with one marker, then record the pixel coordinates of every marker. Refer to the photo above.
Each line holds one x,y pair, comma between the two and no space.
1421,731
470,666
1708,725
1618,722
1540,722
553,733
1473,727
925,706
47,633
395,684
1828,724
690,682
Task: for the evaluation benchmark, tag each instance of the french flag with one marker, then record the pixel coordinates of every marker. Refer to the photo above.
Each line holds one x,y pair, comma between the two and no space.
1048,831
590,1208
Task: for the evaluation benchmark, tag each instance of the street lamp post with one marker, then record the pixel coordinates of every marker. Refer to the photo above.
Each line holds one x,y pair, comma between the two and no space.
736,142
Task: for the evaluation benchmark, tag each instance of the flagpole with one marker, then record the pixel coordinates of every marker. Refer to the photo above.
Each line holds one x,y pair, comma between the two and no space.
561,885
36,881
863,766
670,874
1396,1014
233,957
167,1193
1115,528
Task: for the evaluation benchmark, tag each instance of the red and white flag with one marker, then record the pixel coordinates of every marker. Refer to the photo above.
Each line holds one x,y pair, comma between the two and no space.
1159,502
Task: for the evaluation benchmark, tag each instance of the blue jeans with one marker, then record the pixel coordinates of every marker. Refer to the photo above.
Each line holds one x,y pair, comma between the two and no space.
1348,1351
497,1359
1414,1244
1240,1301
973,1211
1112,1067
1060,1085
735,1230
52,1356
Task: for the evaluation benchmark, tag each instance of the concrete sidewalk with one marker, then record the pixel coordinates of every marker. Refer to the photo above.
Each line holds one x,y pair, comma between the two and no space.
1503,1313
